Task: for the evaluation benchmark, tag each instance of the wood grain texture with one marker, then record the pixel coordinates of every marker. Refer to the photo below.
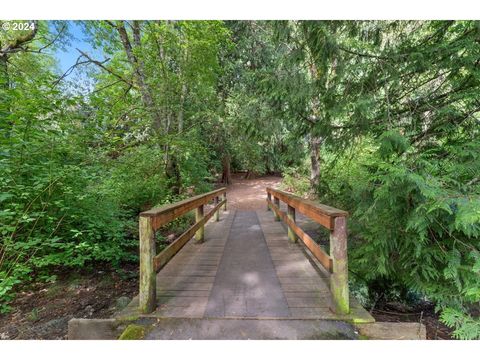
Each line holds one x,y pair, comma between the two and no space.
162,258
322,214
316,250
161,216
291,217
339,277
199,215
147,274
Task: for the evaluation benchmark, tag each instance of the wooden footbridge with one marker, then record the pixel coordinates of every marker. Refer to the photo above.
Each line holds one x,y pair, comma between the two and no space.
246,265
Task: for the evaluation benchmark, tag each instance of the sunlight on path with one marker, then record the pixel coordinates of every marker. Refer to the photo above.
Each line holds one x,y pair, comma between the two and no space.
250,194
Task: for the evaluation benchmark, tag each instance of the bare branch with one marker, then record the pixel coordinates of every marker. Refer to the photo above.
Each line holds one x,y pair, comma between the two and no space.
53,40
71,68
100,64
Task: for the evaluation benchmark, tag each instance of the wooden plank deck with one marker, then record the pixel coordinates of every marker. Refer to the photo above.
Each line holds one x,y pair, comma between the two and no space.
195,280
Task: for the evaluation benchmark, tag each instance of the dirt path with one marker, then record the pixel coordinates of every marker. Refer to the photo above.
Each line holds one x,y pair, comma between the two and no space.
249,194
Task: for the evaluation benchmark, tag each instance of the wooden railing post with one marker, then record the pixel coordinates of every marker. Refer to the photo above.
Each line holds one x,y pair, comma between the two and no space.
276,201
199,235
291,215
269,199
217,213
147,293
225,198
339,277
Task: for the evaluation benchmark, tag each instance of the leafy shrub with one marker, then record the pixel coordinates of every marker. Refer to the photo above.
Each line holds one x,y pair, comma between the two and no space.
296,180
415,223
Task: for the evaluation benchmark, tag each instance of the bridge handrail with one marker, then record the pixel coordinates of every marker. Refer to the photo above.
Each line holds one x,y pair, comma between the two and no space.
151,220
331,218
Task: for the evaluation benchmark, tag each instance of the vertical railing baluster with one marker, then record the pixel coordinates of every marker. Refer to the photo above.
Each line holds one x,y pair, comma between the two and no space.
276,201
339,277
291,215
147,293
269,199
199,235
217,213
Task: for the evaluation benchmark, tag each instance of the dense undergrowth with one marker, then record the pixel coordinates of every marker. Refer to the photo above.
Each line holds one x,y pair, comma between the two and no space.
56,214
414,225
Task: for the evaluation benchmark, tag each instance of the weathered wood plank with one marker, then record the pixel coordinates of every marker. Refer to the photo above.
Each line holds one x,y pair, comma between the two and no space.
200,233
296,280
316,250
319,286
162,259
312,313
339,277
291,217
308,302
276,201
165,280
178,293
323,214
186,286
217,213
147,274
318,294
169,212
182,312
184,301
193,272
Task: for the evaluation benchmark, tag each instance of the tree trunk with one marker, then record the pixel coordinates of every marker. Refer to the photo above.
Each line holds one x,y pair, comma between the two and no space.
226,174
180,110
172,172
139,70
315,143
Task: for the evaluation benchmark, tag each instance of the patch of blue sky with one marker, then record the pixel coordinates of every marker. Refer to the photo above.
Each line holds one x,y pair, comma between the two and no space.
77,79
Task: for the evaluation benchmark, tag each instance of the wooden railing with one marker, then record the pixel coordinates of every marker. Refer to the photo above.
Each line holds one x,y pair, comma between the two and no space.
336,263
151,220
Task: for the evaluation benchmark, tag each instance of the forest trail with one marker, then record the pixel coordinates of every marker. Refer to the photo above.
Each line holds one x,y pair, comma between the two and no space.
249,194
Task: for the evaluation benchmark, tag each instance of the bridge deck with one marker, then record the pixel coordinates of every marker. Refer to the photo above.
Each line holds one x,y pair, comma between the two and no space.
245,269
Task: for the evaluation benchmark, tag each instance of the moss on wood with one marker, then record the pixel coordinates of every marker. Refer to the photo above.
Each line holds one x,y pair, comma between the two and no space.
133,332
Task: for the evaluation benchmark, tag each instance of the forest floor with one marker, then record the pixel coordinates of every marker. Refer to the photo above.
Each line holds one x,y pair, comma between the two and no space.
424,313
42,311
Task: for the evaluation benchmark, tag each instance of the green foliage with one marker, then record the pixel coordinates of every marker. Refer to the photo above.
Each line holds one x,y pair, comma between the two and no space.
394,103
76,167
392,142
415,224
260,136
393,106
465,326
138,177
295,179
